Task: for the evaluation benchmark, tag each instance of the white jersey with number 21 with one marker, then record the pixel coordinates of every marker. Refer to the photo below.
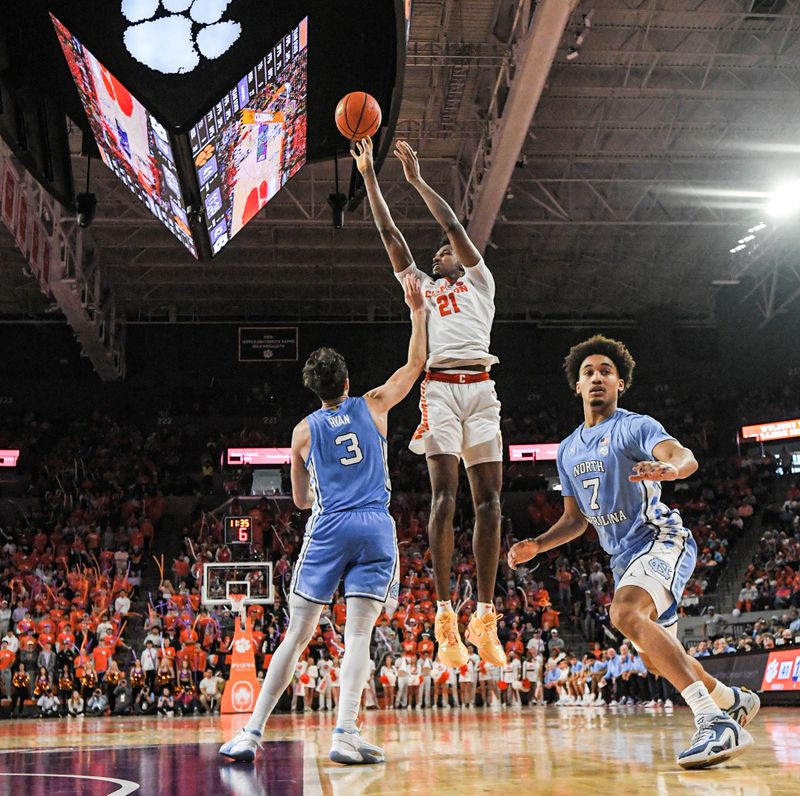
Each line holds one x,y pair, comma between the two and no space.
460,315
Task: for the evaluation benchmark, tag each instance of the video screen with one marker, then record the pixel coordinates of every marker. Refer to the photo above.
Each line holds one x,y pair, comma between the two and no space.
132,143
769,432
253,140
270,456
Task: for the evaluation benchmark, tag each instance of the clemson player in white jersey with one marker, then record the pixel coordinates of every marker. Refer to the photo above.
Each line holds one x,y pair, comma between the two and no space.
459,406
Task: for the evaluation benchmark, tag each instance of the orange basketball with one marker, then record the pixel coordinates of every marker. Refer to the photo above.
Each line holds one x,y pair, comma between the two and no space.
358,115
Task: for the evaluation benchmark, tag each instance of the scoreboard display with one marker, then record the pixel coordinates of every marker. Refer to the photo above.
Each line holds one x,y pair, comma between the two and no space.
238,530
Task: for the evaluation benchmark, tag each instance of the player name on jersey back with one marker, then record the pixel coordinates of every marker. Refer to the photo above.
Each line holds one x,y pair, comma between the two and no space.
347,461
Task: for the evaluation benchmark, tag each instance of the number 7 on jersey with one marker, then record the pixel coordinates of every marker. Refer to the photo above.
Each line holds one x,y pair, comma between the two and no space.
594,485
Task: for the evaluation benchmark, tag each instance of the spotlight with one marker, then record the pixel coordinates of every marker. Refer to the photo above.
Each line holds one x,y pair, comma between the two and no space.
338,202
85,204
785,200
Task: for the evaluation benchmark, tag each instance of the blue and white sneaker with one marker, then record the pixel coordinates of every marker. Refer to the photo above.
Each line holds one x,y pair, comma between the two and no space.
745,707
718,739
242,747
351,749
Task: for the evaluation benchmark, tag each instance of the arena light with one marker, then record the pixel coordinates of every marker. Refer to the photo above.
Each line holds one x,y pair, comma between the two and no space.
785,200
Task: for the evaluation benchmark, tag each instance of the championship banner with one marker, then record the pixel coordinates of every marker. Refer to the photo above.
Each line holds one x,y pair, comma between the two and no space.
268,344
241,690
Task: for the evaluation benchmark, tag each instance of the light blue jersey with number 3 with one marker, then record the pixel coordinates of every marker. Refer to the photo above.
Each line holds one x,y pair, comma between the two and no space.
347,462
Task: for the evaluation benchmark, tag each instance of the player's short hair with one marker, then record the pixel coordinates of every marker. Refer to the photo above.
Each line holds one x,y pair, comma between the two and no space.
325,373
616,351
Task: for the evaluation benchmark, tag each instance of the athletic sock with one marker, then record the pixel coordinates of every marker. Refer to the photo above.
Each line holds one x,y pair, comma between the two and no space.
723,696
699,700
442,606
483,609
303,619
362,613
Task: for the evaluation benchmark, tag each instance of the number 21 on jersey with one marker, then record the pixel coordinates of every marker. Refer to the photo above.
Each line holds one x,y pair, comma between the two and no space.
352,447
447,304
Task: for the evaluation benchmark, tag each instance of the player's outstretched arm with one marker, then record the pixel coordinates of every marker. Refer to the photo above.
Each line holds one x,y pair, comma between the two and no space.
301,442
463,247
570,525
383,398
672,462
393,240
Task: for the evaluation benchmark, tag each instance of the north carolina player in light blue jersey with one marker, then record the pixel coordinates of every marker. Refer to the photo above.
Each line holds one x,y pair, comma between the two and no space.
611,467
339,470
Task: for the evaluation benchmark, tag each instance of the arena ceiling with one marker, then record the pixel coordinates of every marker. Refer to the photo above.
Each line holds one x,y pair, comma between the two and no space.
650,153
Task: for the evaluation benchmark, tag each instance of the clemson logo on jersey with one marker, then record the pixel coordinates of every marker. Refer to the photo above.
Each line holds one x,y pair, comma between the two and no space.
660,567
241,645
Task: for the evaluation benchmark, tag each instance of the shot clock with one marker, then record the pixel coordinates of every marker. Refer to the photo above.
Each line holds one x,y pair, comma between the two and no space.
238,530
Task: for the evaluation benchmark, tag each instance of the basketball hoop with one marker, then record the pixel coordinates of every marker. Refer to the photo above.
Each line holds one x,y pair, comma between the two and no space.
238,606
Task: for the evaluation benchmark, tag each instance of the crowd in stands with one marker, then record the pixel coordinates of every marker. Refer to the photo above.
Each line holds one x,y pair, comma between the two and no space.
772,579
721,637
71,569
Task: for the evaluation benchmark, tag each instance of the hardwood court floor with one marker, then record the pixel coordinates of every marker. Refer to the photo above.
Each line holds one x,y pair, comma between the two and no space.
550,751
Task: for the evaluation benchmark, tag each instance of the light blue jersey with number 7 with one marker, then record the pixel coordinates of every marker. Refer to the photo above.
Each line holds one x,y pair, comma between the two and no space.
594,465
347,462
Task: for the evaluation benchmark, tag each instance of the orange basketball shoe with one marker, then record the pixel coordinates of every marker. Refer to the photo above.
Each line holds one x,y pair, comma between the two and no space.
452,652
483,634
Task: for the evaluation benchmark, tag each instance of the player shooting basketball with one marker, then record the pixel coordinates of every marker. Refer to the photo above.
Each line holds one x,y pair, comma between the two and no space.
459,406
611,468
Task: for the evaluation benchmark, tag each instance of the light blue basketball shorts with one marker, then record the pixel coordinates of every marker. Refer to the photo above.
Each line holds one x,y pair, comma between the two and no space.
359,547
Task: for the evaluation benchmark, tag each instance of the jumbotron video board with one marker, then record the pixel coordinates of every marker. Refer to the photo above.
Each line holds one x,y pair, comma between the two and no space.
132,142
253,140
245,148
206,108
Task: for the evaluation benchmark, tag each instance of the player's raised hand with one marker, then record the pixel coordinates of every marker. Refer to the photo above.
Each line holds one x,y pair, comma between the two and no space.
362,154
408,157
412,292
654,471
521,552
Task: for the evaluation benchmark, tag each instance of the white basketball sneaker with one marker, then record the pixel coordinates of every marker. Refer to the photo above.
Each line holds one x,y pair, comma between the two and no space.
350,749
745,707
718,739
242,747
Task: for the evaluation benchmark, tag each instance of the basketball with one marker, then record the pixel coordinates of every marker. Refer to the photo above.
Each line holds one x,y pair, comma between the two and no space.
358,115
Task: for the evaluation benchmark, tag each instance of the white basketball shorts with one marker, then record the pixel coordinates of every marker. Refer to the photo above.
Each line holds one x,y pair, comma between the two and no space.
461,420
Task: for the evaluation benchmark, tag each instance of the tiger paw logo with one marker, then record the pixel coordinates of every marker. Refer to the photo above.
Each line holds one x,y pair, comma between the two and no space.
172,36
241,645
242,697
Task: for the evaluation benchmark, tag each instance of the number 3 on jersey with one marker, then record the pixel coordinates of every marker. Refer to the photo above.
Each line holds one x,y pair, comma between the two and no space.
447,304
351,441
594,485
